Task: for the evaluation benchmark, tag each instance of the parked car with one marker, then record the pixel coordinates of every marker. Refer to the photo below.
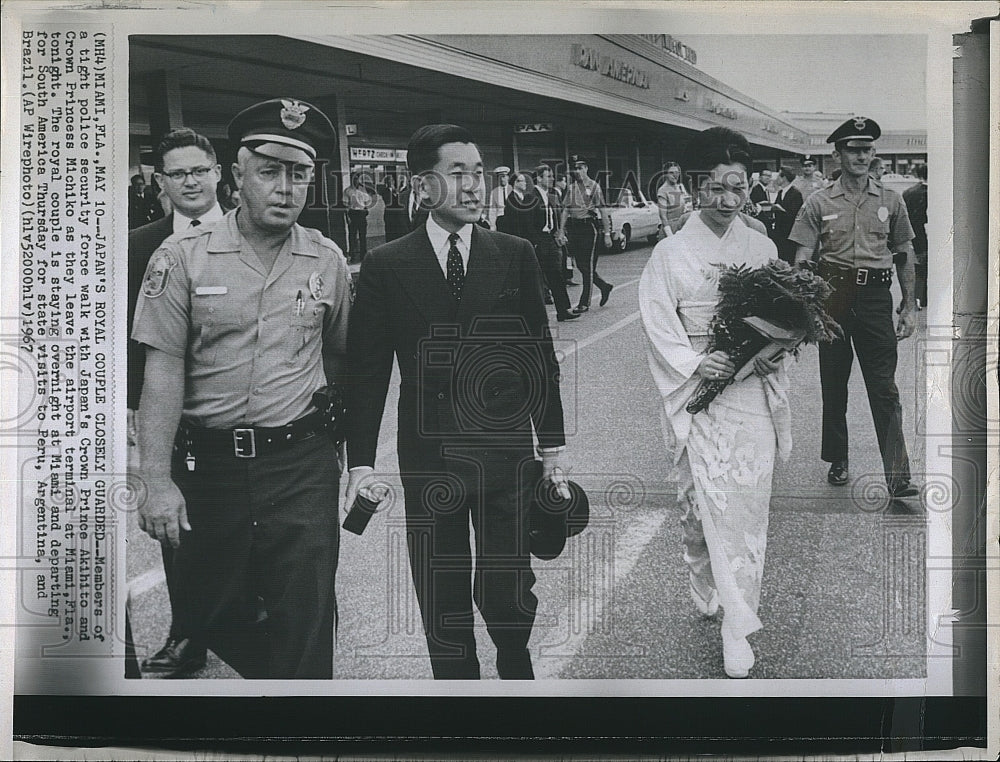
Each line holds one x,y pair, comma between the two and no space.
632,218
898,183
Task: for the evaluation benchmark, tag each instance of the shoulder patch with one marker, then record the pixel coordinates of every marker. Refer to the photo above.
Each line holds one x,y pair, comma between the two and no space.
157,273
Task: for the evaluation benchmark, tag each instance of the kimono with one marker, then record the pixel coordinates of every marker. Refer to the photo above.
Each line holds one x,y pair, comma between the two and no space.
723,457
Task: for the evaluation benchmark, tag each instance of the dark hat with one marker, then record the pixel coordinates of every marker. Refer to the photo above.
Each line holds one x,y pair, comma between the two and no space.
285,129
576,158
552,518
856,132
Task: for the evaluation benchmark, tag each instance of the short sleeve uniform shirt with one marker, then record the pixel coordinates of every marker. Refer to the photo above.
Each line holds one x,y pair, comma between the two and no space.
851,234
583,202
253,340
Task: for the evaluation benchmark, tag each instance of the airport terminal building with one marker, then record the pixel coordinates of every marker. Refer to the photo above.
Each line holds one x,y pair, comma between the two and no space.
627,102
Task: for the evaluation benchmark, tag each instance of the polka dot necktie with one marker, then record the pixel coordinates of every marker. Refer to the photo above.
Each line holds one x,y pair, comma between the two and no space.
456,270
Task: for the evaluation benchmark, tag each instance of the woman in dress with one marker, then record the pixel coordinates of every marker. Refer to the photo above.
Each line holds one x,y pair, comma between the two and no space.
723,457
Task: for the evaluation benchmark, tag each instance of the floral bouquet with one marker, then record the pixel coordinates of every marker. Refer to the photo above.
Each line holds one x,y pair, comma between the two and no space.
764,311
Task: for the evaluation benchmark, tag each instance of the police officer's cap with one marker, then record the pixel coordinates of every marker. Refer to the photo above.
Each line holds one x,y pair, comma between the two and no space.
576,158
856,132
285,129
501,170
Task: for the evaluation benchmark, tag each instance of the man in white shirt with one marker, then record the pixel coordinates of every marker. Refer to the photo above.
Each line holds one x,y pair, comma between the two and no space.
498,197
188,172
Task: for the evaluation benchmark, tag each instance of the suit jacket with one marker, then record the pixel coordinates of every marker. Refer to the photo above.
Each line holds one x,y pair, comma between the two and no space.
401,223
476,374
142,242
915,198
524,218
791,201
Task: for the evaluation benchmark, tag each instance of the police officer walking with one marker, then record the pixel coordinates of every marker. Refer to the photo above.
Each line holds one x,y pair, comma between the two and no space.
244,320
861,229
583,213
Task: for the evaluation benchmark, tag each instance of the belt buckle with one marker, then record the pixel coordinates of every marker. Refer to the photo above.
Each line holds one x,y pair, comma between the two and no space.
862,279
241,439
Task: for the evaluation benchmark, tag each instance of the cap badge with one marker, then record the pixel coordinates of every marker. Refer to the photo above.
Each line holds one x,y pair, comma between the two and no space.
316,286
293,114
860,123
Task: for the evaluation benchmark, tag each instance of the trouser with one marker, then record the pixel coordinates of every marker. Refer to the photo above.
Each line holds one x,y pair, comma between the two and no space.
867,321
177,616
357,229
584,247
438,511
548,256
786,250
920,270
264,534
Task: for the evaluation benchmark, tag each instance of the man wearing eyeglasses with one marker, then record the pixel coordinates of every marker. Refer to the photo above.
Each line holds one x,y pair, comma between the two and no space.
245,325
188,173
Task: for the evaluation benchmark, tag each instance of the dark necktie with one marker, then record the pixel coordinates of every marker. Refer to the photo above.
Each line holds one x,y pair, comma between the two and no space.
456,270
194,223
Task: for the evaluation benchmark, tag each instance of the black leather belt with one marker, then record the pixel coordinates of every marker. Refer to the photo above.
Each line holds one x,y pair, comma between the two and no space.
248,441
880,277
589,221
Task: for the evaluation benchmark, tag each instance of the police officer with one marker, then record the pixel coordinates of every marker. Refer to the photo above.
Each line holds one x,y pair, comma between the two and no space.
243,321
583,214
860,229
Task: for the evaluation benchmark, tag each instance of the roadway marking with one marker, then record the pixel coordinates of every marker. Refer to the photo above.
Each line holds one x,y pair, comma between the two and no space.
146,582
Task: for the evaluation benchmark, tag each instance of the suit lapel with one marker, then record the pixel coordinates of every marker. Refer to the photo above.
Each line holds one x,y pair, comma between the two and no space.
421,278
485,277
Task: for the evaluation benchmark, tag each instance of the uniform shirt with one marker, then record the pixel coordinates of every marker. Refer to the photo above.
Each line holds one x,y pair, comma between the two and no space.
674,200
582,200
252,340
808,186
853,235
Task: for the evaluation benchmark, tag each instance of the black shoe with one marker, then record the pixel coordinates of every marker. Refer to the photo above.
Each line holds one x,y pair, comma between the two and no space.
567,316
177,658
605,293
904,489
838,475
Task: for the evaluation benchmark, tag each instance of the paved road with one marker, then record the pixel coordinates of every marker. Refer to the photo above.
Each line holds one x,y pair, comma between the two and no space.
843,593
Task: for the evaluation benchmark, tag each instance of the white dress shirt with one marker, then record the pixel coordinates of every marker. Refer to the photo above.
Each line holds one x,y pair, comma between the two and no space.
439,242
183,223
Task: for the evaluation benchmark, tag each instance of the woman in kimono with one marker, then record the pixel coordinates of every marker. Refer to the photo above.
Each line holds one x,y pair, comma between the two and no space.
723,457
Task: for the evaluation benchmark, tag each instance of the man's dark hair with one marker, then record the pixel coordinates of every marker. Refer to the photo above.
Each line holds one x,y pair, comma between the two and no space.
921,171
182,138
140,178
788,173
540,170
423,150
718,145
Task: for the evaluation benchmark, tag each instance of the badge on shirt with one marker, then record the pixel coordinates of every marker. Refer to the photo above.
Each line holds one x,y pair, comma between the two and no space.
883,214
316,286
155,281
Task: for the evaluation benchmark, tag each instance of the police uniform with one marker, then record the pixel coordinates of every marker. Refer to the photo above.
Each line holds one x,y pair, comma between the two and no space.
583,205
258,474
856,241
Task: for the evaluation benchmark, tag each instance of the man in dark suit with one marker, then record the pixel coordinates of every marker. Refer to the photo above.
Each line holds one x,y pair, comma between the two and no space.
189,173
786,206
761,200
412,214
462,309
915,198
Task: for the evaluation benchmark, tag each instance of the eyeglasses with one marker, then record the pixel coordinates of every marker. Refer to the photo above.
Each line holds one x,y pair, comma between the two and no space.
180,175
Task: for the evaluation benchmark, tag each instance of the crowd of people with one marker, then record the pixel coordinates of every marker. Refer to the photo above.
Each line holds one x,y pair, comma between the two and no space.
243,323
